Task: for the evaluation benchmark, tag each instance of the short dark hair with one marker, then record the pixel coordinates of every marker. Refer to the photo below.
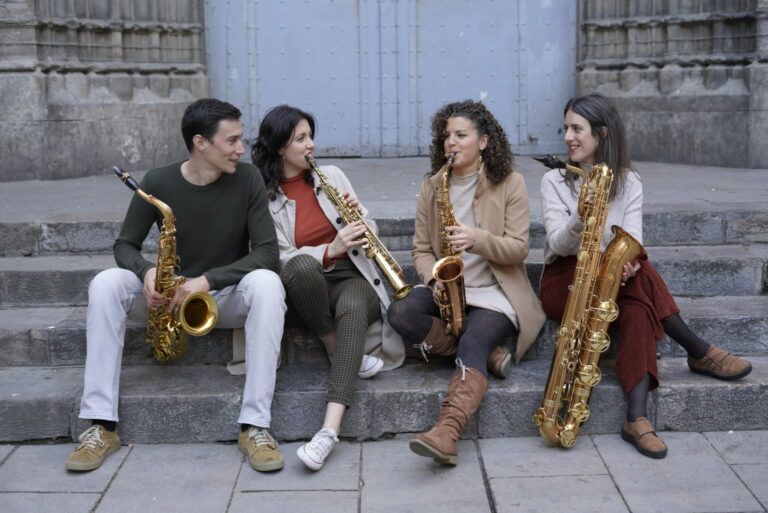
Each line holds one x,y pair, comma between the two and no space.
275,133
202,117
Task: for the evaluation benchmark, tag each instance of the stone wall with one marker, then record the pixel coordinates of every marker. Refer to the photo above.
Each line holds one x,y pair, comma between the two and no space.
689,76
85,84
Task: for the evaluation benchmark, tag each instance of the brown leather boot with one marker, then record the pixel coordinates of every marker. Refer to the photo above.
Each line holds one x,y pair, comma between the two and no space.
498,361
437,342
720,364
640,433
465,392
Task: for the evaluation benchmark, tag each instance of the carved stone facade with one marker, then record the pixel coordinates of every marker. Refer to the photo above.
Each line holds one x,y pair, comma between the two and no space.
689,76
85,84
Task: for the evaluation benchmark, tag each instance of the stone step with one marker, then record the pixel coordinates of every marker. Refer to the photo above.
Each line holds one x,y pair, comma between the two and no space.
201,403
660,229
688,270
55,336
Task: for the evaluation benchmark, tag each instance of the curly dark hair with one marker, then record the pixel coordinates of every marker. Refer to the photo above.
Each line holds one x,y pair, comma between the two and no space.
275,133
497,155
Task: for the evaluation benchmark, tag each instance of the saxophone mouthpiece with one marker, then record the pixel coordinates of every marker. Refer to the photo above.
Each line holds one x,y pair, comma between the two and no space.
126,178
550,161
450,157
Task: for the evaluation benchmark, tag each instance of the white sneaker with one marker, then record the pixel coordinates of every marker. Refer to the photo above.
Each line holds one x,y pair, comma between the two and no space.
370,366
314,452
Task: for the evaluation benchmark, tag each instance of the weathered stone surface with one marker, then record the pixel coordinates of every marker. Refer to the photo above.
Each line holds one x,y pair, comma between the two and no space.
18,239
746,227
297,501
672,478
169,483
535,457
341,472
740,447
681,228
754,477
710,404
583,493
40,468
65,502
419,482
36,403
201,403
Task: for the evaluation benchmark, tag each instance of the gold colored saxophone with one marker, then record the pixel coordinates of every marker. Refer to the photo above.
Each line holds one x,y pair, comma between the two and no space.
373,247
168,332
449,270
591,307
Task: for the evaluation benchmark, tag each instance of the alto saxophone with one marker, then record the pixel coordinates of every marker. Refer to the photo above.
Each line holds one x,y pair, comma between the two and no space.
449,270
168,332
373,247
590,308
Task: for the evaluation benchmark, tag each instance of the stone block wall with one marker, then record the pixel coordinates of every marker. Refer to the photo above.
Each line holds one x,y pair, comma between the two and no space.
689,76
85,84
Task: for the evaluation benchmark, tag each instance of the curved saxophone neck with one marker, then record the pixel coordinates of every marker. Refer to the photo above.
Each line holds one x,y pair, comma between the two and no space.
132,184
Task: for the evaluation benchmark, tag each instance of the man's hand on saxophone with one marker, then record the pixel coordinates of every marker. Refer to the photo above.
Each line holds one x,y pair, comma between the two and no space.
187,287
153,297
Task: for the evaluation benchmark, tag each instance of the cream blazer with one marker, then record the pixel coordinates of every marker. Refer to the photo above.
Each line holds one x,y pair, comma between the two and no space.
381,339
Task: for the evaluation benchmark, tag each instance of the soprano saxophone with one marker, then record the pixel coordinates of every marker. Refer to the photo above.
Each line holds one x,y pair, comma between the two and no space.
373,247
168,332
449,270
590,308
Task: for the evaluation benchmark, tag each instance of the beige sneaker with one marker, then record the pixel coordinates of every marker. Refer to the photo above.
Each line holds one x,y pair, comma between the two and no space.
261,449
96,443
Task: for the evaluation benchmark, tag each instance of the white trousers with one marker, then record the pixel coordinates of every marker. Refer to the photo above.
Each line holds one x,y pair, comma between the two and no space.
115,295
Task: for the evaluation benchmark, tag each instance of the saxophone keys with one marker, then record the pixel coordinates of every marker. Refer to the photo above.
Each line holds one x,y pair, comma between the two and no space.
590,375
580,412
599,341
567,437
608,311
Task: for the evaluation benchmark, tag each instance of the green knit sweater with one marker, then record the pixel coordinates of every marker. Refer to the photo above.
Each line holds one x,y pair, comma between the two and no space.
214,225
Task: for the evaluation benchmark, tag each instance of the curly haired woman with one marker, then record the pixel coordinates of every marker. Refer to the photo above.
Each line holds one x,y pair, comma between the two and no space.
490,205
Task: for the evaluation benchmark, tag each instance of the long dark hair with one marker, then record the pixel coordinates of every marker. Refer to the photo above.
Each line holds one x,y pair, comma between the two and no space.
607,126
497,155
275,133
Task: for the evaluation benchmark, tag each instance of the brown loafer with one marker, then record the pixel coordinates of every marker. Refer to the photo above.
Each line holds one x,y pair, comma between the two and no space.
640,433
720,364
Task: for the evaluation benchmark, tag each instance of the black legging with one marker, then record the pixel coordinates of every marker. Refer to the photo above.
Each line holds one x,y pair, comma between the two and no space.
485,329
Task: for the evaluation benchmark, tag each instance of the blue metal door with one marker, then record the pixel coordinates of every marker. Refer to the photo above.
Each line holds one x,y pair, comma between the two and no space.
374,71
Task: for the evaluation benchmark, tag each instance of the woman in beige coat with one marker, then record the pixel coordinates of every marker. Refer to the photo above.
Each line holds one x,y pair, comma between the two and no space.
490,206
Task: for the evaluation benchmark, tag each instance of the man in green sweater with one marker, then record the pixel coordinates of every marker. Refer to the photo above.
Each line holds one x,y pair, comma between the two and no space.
226,243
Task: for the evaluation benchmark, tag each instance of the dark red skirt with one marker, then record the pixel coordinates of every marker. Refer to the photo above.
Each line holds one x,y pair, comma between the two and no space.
643,303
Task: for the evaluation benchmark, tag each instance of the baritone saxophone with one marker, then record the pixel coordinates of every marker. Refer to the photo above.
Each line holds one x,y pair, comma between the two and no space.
373,247
590,308
168,332
449,270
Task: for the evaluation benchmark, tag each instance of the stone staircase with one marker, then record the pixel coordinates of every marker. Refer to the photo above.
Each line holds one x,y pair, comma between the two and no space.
716,264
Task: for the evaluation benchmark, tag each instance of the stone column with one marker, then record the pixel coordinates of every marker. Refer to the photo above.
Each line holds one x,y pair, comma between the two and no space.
689,77
85,84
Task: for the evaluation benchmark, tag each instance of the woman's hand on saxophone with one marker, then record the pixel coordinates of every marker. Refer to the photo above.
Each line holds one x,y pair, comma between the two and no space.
461,236
353,203
437,290
153,297
187,287
348,237
629,271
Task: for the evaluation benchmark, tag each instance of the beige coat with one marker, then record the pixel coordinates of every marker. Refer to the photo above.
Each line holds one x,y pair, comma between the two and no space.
501,237
381,339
